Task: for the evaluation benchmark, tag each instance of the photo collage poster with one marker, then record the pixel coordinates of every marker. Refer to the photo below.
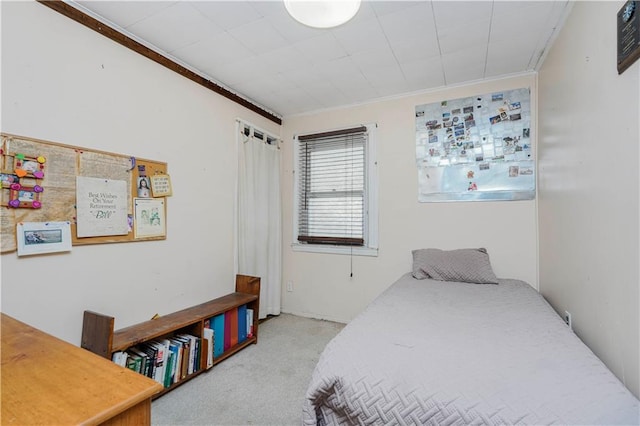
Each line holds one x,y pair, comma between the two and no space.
476,148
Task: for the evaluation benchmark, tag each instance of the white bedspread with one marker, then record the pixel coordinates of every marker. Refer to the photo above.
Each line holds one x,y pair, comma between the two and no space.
433,352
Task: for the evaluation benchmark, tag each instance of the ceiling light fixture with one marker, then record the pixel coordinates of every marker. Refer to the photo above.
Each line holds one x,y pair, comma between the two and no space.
322,13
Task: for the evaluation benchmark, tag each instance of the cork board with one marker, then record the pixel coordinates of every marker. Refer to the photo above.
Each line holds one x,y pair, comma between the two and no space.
56,199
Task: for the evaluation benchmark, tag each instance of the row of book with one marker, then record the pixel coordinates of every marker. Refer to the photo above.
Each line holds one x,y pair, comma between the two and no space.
230,328
169,360
172,359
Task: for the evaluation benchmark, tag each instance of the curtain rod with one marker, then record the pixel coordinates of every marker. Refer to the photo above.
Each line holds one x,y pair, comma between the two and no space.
333,133
256,128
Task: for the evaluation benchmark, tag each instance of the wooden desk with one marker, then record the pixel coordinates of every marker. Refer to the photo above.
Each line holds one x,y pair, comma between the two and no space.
46,380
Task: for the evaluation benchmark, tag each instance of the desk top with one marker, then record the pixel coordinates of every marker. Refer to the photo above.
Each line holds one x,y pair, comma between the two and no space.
46,380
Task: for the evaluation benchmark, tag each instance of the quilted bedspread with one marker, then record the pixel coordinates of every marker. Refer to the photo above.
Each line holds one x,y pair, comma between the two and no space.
447,353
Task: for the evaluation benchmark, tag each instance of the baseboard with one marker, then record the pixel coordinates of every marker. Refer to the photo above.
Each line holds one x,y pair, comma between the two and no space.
315,316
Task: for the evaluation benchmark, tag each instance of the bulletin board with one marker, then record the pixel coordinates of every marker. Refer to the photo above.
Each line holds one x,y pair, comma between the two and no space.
41,182
476,148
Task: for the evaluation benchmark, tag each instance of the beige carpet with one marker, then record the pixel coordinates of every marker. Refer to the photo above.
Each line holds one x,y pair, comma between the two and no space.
263,384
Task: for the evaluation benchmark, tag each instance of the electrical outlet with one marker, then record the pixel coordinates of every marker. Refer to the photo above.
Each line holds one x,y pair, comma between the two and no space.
289,285
567,319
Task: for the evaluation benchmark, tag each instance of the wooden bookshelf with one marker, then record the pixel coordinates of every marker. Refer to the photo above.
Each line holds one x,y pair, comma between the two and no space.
99,336
47,381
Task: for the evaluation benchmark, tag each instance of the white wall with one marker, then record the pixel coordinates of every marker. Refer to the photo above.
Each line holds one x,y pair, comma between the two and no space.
321,282
63,82
588,187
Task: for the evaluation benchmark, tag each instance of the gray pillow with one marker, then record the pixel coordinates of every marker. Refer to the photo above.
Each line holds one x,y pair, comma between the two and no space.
462,265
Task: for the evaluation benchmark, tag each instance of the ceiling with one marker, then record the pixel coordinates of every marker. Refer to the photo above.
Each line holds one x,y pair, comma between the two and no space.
390,48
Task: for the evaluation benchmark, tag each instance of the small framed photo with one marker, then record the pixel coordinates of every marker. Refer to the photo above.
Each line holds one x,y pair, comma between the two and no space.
495,119
25,196
26,166
43,237
6,179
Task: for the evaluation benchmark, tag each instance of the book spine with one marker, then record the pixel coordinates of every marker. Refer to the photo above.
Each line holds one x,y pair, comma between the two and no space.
120,358
192,353
160,361
233,316
218,335
196,358
168,376
249,323
175,347
227,330
182,367
143,359
208,337
152,354
242,323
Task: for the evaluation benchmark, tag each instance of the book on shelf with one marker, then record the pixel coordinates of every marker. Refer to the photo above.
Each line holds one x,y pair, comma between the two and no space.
184,358
233,317
176,370
168,371
227,330
192,352
134,361
197,362
131,363
152,356
144,359
208,337
196,354
158,375
242,323
173,353
249,323
218,335
120,358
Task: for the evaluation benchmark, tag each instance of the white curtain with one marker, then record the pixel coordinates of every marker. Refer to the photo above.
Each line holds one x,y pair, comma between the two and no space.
259,224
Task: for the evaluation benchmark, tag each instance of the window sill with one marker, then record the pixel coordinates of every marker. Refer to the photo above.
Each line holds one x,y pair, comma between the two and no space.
332,249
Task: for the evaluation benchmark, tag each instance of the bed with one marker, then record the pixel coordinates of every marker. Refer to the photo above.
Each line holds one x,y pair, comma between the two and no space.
438,348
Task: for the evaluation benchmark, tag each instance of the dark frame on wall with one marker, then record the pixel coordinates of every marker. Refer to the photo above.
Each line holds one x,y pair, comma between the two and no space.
628,35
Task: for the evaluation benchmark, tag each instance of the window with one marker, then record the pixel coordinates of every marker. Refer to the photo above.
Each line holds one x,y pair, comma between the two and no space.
336,192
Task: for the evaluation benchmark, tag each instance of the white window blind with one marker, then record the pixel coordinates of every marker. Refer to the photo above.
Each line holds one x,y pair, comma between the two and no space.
332,187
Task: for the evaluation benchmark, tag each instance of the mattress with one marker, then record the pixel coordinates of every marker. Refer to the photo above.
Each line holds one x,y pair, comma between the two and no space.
448,353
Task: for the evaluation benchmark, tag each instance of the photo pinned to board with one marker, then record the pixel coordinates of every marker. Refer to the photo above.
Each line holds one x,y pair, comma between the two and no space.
24,196
143,187
28,166
161,185
43,237
149,218
6,179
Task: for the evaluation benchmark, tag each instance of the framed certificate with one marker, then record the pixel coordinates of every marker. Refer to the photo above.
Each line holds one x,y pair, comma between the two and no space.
628,35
